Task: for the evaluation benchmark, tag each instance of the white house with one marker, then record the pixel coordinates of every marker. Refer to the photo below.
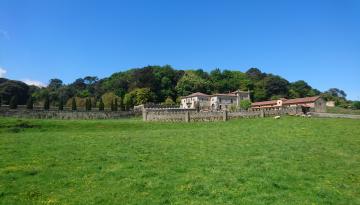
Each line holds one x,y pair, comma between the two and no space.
219,101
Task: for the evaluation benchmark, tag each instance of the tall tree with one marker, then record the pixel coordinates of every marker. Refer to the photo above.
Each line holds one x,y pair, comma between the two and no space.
13,102
47,103
73,104
101,105
30,103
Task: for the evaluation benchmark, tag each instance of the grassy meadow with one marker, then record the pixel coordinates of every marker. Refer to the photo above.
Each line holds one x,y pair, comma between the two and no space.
292,160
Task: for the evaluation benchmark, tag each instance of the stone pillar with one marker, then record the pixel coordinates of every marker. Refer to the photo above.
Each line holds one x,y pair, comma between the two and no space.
144,114
187,116
225,115
262,113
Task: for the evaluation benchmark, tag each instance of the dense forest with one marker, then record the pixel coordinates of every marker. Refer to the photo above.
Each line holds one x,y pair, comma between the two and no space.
161,84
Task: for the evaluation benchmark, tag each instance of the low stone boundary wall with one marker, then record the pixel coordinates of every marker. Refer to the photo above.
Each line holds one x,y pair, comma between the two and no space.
52,114
333,115
191,115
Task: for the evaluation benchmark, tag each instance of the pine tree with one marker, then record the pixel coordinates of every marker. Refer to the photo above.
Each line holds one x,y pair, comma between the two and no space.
30,103
47,103
73,104
116,105
61,104
101,105
13,102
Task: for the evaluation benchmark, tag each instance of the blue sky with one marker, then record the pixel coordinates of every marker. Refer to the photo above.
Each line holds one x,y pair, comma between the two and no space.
316,41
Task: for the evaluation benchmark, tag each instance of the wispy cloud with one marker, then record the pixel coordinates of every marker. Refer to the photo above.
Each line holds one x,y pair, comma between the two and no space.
34,82
2,72
4,34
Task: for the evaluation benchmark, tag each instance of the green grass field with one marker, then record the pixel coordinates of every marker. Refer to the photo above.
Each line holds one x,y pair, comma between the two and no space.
292,160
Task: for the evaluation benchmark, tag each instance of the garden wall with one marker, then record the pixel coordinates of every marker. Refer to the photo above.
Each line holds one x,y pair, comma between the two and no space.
65,114
191,115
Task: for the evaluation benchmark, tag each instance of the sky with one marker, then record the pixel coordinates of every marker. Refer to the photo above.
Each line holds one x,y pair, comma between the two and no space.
313,40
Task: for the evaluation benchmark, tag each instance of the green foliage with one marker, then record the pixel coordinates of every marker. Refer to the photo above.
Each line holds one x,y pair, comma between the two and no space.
157,83
73,104
10,88
248,161
88,104
116,104
30,103
191,82
101,105
169,101
61,104
128,101
245,104
47,103
356,105
112,107
13,102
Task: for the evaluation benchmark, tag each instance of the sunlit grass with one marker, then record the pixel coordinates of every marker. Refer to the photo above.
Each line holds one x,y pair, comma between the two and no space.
249,161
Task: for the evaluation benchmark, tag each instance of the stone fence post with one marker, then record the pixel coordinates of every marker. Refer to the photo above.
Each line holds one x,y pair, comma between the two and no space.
262,113
225,115
144,114
187,116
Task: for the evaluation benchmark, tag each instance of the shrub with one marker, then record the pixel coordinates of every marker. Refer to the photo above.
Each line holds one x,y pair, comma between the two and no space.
169,101
73,104
13,102
30,103
101,105
245,104
47,103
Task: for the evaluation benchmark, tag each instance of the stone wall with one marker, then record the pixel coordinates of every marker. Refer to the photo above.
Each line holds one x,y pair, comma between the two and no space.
191,115
65,114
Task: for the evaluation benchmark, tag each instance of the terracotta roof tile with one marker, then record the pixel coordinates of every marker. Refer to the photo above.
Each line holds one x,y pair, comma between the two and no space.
270,102
301,100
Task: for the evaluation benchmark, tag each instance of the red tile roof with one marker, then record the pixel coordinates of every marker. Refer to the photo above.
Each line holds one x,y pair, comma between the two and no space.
270,102
301,100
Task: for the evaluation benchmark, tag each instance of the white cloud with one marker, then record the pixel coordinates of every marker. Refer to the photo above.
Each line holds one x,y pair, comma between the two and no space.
2,72
34,82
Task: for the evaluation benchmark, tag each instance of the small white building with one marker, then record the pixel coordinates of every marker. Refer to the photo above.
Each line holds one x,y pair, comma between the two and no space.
219,101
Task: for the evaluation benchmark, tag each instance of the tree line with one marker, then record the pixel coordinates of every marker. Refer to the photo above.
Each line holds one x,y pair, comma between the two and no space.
159,84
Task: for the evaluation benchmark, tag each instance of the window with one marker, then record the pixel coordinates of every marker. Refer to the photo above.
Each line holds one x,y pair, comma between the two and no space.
219,99
231,100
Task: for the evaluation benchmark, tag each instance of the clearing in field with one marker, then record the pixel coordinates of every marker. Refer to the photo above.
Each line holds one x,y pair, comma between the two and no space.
247,161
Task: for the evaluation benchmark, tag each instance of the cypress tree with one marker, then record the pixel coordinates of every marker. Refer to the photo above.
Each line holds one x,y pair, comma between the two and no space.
73,104
30,103
101,105
88,104
116,104
61,104
121,104
47,103
13,102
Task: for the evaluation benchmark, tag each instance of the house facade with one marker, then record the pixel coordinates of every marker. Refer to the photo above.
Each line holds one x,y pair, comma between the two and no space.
315,103
219,101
